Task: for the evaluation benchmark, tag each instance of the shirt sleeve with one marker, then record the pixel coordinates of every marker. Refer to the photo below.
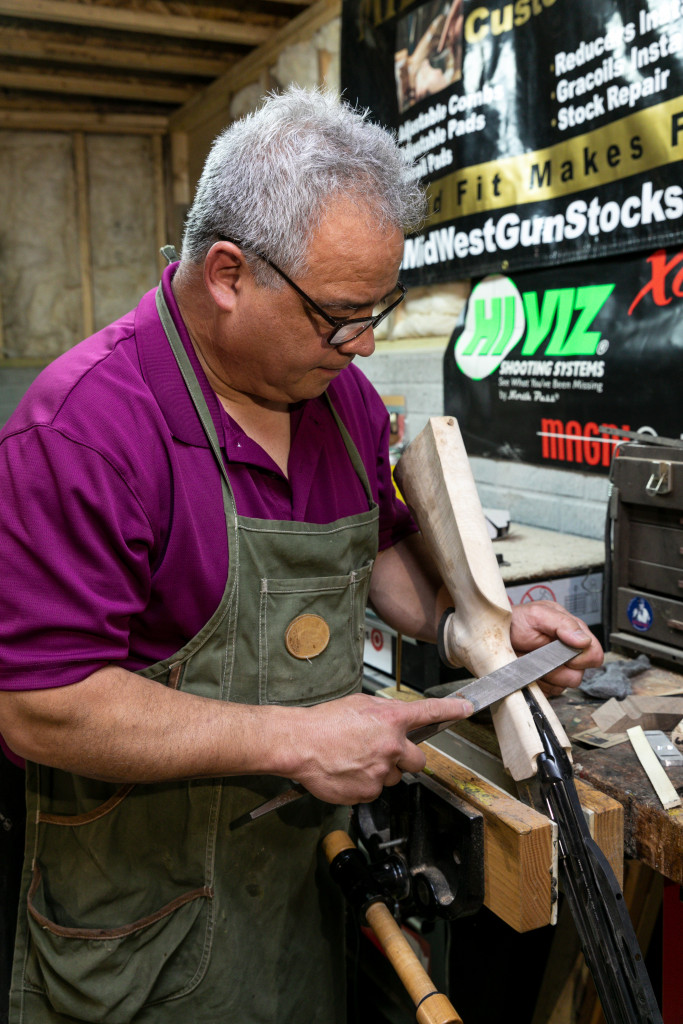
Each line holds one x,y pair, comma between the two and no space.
75,549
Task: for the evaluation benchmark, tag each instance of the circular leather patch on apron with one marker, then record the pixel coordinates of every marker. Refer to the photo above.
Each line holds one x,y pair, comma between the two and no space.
307,636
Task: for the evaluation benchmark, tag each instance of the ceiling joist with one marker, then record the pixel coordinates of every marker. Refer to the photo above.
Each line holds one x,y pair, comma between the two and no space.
129,19
43,46
82,85
119,62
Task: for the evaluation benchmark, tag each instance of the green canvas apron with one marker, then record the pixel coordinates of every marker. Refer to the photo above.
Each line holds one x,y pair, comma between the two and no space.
142,905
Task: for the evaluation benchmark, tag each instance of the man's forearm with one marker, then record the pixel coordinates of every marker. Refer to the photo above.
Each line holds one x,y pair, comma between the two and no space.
406,589
120,727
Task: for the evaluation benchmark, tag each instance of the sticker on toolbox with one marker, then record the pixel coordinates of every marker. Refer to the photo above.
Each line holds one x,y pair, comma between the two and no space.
640,614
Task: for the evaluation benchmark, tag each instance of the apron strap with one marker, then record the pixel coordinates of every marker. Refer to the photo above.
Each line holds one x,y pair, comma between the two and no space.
354,455
193,386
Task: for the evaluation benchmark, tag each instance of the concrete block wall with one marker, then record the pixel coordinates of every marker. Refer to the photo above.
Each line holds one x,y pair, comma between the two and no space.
412,370
554,499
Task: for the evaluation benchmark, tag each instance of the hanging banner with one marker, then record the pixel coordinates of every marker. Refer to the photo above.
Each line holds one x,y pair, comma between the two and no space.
542,360
546,130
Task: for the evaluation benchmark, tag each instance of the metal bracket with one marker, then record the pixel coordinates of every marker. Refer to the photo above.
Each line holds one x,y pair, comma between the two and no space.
660,481
426,846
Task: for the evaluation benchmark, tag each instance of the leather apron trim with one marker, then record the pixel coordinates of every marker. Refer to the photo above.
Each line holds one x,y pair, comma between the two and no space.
85,819
204,892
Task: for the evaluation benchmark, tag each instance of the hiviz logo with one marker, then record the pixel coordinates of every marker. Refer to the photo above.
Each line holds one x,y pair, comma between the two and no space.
499,317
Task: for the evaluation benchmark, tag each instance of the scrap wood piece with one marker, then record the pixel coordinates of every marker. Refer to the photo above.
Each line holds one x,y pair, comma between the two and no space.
648,712
660,780
597,738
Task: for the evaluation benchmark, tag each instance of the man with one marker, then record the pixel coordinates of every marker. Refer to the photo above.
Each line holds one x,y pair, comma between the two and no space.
198,503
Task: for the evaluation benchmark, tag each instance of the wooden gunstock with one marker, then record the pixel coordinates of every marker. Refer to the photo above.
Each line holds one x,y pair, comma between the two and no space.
435,478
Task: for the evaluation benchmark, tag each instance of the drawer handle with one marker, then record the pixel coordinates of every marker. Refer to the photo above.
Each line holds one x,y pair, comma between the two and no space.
675,624
660,482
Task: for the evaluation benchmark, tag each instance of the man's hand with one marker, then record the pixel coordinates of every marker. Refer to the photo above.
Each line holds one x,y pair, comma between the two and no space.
348,749
537,623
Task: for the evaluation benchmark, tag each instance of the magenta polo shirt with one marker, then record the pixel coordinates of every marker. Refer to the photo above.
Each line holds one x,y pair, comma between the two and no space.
113,542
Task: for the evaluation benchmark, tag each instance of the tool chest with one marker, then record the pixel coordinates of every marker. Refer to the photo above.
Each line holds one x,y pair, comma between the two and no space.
647,560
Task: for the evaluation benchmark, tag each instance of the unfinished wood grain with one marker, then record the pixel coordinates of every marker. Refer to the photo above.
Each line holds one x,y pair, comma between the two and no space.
56,83
63,120
519,846
604,816
653,769
648,712
435,478
605,819
471,768
37,44
127,19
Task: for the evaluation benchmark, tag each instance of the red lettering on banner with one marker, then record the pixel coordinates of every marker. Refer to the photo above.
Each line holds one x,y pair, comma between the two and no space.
657,284
576,442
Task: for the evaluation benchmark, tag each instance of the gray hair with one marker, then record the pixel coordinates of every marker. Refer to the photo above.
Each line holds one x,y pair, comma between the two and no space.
270,176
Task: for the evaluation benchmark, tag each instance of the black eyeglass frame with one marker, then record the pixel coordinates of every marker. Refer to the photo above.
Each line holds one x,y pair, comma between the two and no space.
337,325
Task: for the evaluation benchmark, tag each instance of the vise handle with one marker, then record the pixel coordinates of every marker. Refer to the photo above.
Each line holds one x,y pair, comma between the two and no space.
431,1007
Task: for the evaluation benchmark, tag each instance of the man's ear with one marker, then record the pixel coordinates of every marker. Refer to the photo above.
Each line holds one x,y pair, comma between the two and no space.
224,271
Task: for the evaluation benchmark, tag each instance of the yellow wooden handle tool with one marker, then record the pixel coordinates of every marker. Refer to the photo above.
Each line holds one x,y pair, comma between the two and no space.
431,1007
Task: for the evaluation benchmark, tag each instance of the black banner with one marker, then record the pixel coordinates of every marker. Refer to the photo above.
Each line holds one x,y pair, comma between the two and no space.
542,360
548,131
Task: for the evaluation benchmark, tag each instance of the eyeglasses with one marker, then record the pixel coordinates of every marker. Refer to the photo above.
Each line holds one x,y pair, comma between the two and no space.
342,330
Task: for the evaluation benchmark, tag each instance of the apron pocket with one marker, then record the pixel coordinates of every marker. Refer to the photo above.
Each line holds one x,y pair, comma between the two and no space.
327,662
106,975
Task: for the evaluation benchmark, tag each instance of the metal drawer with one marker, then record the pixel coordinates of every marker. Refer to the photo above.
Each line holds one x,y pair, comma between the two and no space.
650,476
661,579
650,616
659,544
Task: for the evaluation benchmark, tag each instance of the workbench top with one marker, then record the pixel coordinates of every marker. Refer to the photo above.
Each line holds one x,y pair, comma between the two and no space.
652,834
531,553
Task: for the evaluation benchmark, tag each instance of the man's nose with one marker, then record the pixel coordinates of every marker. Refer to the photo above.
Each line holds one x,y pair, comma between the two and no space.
363,345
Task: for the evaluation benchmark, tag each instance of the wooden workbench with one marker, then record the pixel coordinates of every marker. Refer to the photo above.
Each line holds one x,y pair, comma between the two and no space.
652,835
530,553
